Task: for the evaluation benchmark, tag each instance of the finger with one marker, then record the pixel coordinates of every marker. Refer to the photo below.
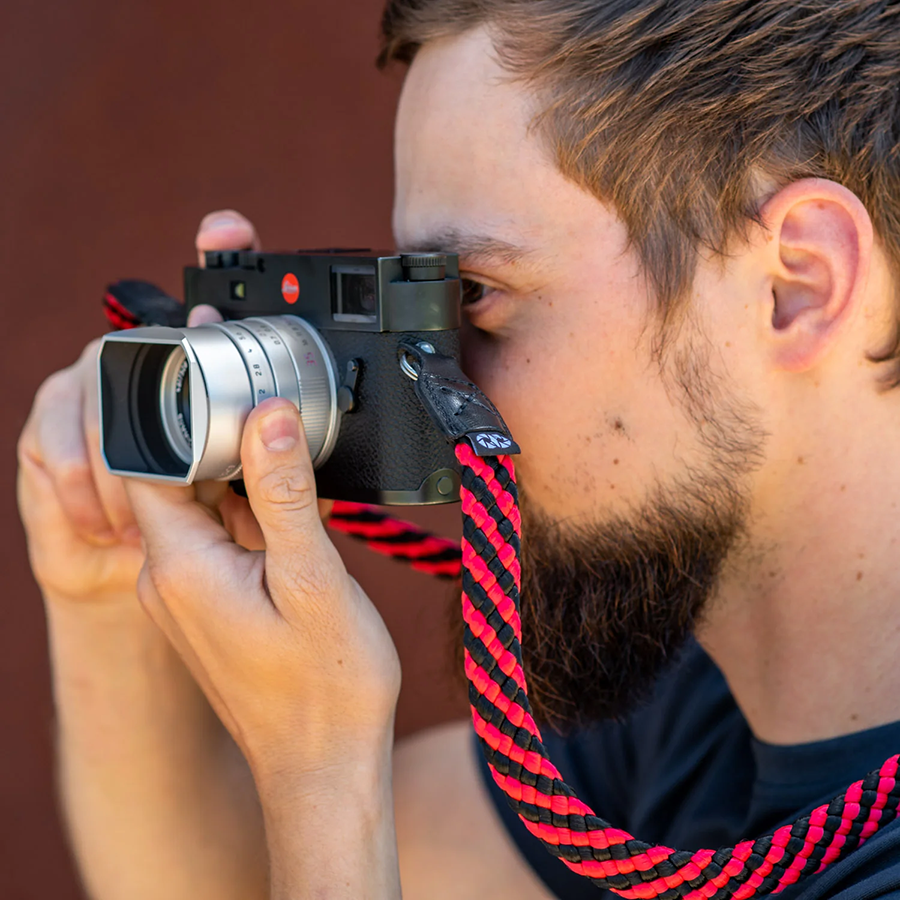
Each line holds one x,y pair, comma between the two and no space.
41,510
171,520
54,439
196,567
110,488
225,229
203,315
100,569
238,518
211,493
281,488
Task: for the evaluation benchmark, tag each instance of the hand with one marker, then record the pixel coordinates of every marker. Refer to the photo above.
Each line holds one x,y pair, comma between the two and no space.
83,541
290,652
228,229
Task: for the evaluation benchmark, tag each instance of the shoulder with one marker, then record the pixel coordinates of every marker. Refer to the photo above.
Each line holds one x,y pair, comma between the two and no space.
451,841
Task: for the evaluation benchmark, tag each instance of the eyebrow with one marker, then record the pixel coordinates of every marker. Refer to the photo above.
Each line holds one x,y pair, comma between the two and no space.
474,249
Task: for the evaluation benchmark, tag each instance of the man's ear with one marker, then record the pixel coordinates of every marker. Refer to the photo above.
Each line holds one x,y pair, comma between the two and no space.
820,245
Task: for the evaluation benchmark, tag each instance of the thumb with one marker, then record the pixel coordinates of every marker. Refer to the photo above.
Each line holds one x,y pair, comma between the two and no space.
281,487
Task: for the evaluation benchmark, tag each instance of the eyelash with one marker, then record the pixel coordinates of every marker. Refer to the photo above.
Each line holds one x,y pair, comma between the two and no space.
473,291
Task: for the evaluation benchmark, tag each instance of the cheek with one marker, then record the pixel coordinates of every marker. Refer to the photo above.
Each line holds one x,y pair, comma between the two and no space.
554,407
596,427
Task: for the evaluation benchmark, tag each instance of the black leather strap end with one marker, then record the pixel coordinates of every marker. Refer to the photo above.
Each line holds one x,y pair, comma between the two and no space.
130,302
457,406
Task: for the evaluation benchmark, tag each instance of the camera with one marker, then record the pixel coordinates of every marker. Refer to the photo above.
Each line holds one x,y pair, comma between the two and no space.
322,329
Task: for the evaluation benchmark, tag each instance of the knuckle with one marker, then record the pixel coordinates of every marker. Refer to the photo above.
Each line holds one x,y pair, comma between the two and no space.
58,392
89,354
289,489
51,388
314,577
167,574
25,448
76,491
61,383
73,477
307,581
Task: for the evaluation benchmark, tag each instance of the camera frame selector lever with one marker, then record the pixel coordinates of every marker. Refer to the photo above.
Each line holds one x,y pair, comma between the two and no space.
346,394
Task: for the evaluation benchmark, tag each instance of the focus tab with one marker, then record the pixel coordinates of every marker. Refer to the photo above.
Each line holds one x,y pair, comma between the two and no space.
456,405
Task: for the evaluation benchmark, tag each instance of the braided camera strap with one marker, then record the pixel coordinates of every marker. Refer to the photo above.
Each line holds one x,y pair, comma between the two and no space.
512,744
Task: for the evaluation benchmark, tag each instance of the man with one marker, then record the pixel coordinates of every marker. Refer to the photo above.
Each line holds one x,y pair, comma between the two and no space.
679,221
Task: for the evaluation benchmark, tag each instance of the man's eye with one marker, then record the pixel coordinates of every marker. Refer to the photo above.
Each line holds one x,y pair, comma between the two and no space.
472,291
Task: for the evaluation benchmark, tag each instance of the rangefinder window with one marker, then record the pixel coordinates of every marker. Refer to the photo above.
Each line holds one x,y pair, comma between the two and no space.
353,294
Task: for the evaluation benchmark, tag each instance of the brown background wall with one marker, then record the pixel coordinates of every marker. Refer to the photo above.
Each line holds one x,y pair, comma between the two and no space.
122,124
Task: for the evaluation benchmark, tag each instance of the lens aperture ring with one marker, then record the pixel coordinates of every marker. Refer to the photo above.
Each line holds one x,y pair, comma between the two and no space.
285,357
314,370
259,368
278,356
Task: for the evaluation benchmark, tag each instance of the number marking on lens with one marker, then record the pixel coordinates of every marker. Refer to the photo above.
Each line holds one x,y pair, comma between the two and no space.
246,343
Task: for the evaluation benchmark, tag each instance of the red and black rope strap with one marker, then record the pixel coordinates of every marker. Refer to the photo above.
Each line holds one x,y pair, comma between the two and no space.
384,534
519,763
118,315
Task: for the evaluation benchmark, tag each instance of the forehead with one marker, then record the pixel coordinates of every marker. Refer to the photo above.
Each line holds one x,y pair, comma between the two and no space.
466,159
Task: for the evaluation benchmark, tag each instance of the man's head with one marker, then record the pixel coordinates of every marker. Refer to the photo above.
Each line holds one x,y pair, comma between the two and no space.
670,207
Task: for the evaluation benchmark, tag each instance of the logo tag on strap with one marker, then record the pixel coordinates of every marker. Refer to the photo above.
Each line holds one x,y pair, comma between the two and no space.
490,443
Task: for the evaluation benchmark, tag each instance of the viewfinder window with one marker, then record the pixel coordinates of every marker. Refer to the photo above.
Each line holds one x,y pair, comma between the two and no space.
354,294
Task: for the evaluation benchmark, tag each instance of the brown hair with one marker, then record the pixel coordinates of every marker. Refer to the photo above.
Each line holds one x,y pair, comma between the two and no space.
667,109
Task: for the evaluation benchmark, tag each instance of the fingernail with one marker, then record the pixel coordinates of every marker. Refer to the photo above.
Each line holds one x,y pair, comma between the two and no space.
279,431
226,220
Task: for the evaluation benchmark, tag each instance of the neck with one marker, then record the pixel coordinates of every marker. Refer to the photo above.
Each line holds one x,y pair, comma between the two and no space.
806,623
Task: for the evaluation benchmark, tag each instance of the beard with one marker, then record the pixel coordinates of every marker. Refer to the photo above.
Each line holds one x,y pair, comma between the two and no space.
608,604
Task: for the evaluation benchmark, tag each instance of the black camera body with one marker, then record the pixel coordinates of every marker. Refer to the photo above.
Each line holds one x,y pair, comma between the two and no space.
362,303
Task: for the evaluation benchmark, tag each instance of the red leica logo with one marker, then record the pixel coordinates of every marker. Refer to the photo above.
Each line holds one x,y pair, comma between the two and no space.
290,288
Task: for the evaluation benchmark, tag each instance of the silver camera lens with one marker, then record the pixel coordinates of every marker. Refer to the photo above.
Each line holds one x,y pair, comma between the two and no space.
174,400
